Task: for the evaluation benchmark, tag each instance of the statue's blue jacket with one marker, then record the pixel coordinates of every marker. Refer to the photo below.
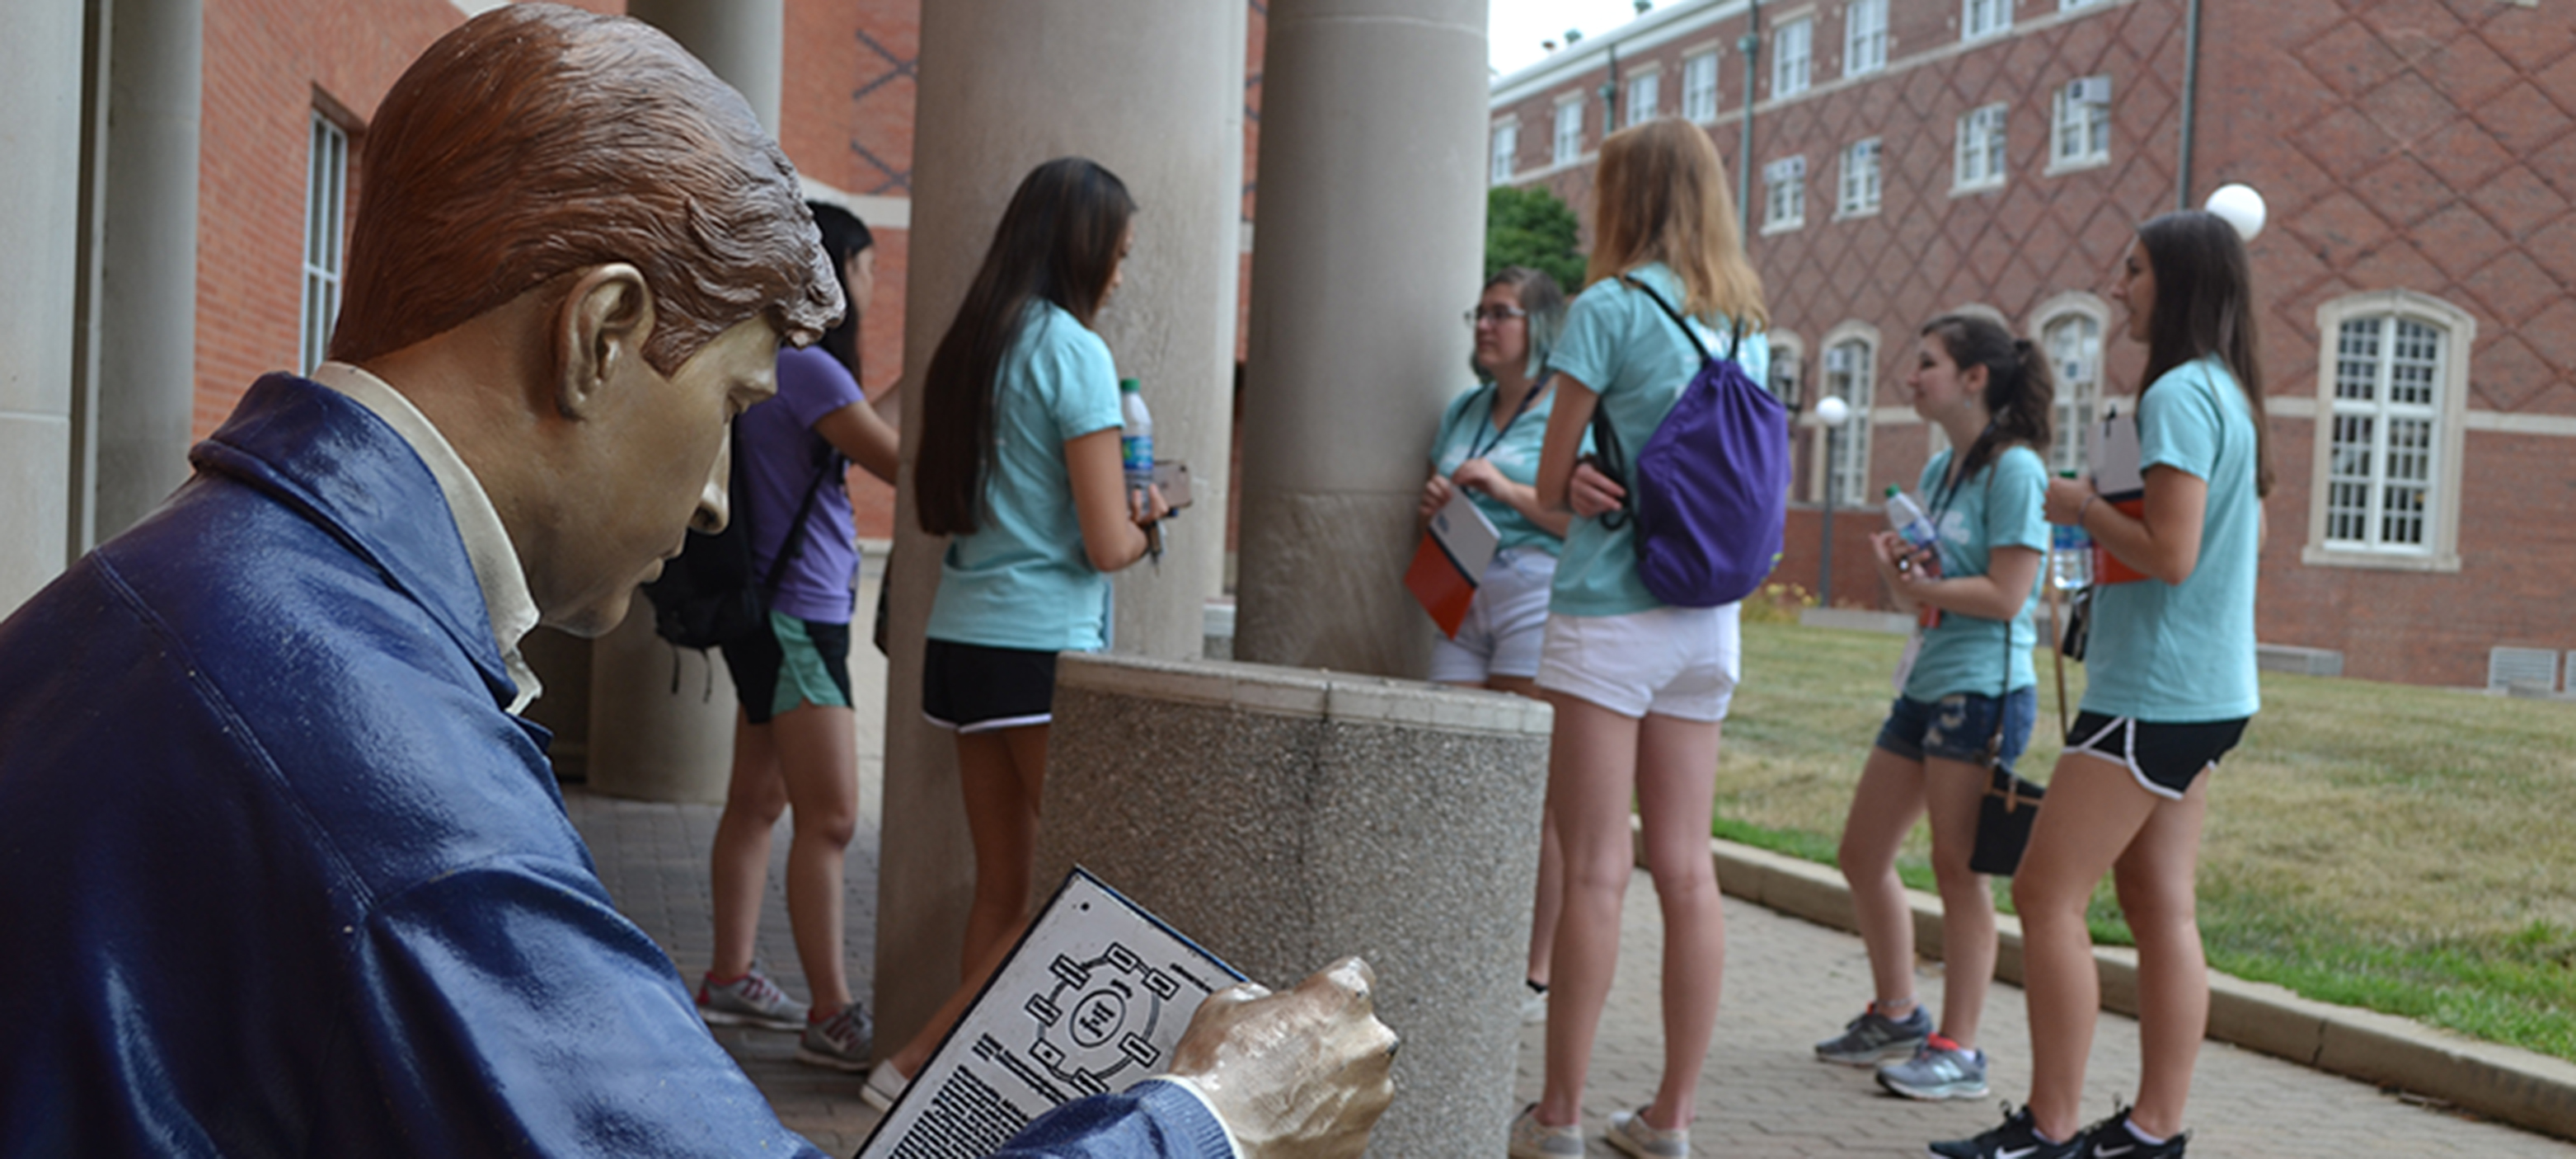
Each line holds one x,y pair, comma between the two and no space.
280,876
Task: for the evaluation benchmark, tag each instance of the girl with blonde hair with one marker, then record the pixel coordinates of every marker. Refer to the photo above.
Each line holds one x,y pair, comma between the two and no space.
1640,688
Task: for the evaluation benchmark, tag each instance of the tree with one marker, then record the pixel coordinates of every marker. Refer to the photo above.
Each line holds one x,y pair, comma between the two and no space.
1531,227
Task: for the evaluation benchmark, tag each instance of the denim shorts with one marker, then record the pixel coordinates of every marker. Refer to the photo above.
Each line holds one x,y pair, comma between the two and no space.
1957,727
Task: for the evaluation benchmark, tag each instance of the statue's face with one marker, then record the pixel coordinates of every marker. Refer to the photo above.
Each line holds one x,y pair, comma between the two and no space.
655,465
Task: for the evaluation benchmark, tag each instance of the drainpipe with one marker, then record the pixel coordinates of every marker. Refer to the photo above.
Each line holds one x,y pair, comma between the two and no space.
1751,47
2190,89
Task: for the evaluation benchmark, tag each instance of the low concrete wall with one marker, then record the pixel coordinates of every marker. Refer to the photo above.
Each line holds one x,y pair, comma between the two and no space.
1286,817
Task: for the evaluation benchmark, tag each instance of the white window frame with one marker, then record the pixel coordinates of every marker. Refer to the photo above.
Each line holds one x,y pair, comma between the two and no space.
1788,366
1506,147
1981,157
326,199
1645,96
1857,385
2072,5
2448,414
1784,194
1861,179
2079,126
1793,56
2078,374
1980,19
1864,37
1699,86
1566,144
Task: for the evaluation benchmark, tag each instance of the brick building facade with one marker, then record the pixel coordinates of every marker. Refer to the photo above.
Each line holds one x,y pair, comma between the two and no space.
2419,335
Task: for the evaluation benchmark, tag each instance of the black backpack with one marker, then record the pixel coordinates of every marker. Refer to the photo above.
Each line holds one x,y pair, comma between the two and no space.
706,597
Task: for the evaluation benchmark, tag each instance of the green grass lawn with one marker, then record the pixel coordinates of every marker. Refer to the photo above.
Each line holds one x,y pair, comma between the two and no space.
2411,850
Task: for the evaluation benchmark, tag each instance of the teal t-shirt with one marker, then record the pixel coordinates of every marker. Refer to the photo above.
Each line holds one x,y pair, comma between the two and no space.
1622,347
1468,425
2184,653
2000,506
1022,579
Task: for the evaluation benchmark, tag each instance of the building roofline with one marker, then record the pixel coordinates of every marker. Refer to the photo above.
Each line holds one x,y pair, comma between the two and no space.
1651,30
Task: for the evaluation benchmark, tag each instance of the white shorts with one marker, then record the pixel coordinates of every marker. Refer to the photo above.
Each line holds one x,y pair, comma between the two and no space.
1500,636
1676,662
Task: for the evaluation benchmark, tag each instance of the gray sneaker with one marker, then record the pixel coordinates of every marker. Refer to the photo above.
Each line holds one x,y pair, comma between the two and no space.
1629,1132
750,1000
840,1042
1941,1070
1874,1037
1532,1139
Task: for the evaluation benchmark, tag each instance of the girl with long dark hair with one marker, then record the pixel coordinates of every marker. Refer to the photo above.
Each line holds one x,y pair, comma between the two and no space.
2170,686
1967,682
1019,467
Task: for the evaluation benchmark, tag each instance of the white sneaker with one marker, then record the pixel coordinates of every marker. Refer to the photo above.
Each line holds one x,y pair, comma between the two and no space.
885,1084
1532,1139
1629,1133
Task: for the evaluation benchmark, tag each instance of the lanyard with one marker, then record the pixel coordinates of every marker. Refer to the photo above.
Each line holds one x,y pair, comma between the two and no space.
1957,474
1477,447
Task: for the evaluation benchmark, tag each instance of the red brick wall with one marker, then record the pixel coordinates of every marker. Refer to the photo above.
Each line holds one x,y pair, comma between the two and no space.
264,62
2407,144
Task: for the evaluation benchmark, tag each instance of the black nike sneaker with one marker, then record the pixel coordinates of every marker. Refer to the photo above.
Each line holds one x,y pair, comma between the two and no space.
2110,1139
2018,1138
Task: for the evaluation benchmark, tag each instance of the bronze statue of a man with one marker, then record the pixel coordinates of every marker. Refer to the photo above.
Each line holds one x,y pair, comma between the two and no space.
282,870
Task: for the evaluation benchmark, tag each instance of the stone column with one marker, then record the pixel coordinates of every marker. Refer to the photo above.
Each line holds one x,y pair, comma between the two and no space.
740,40
1370,244
40,167
146,326
1152,89
649,739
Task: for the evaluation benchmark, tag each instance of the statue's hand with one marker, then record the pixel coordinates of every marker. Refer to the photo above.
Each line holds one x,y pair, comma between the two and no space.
1305,1073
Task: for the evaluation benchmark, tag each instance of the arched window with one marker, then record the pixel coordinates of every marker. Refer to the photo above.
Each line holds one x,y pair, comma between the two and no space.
1850,374
2392,386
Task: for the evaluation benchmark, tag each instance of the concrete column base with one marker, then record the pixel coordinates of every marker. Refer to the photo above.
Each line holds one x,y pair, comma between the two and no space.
655,736
1284,818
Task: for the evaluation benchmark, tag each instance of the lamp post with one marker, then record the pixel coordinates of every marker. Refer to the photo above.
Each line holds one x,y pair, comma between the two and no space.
1831,413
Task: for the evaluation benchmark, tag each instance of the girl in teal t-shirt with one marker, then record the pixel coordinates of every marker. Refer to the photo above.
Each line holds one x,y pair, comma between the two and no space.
1488,447
1966,682
1640,689
2170,675
1019,467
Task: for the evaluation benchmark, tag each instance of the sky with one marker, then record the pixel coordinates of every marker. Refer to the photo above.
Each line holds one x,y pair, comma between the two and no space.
1516,27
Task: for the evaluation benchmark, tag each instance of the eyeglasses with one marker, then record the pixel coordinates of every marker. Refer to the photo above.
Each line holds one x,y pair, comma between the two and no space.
1494,315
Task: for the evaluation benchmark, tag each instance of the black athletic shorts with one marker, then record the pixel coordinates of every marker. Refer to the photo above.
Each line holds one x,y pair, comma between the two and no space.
971,688
2165,758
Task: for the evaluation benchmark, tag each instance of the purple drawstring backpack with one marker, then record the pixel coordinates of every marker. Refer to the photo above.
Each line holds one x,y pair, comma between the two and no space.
1710,489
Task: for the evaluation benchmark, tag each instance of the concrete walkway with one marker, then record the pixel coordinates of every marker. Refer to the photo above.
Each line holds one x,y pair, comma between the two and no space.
1788,983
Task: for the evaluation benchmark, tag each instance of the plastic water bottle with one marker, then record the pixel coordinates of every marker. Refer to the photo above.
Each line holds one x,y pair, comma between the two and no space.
1906,516
2070,554
1136,435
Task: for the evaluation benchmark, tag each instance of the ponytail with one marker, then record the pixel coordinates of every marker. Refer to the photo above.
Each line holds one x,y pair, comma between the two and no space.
2021,388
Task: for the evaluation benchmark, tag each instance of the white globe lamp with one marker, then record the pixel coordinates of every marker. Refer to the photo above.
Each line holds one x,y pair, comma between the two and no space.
2239,206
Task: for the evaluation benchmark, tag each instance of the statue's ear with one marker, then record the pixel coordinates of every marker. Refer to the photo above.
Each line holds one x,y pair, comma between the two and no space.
601,328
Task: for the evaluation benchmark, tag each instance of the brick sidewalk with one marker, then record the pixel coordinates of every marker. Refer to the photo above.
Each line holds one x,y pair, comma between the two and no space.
1762,1096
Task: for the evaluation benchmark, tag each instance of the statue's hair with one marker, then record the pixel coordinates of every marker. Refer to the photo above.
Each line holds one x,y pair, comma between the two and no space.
537,140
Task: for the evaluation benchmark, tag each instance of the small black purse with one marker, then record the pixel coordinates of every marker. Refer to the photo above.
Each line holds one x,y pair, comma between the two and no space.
2011,801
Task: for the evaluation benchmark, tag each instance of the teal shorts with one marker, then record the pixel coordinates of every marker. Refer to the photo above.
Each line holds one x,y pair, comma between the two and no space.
795,662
